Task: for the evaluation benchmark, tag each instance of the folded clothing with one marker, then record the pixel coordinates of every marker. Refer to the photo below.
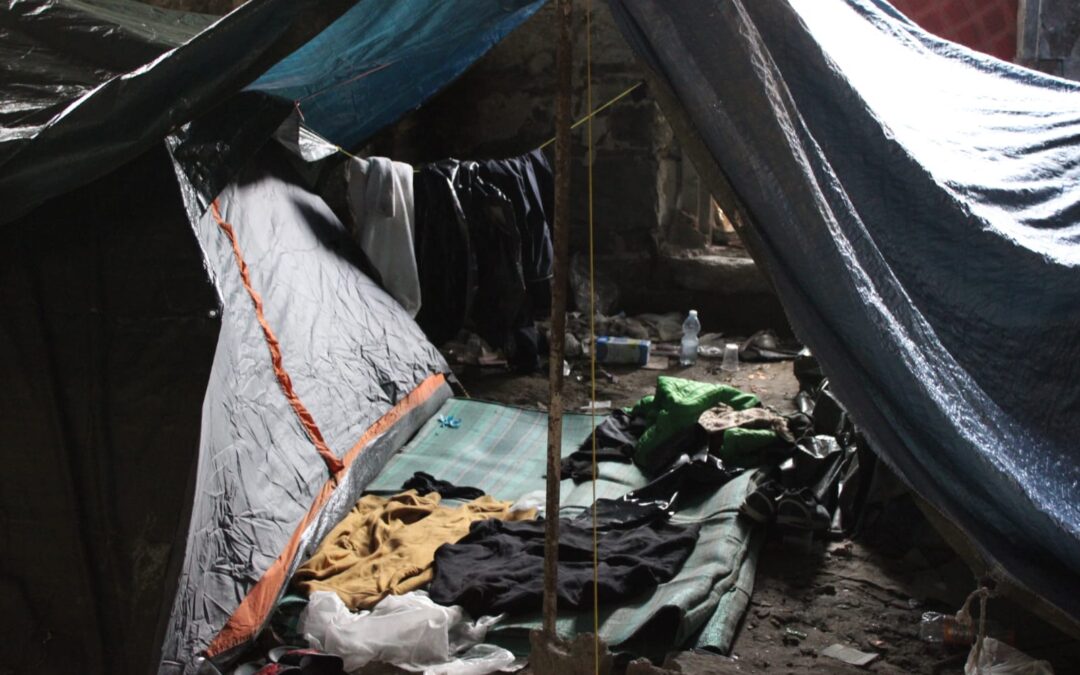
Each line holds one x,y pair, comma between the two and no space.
499,566
675,407
385,546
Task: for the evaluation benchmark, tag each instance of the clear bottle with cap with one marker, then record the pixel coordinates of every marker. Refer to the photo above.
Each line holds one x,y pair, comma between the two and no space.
689,348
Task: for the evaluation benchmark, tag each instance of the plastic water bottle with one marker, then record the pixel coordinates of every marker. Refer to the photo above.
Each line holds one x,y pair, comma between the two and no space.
690,329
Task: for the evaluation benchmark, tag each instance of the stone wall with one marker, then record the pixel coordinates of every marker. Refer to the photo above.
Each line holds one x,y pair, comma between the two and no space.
646,227
504,106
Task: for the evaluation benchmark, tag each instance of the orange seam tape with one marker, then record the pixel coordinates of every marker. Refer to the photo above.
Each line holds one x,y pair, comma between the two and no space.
306,420
256,606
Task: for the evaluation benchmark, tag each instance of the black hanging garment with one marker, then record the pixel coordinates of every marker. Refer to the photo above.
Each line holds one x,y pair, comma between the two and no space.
444,256
483,250
528,183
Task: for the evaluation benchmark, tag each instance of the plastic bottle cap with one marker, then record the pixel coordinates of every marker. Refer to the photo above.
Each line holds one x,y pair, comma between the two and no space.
693,312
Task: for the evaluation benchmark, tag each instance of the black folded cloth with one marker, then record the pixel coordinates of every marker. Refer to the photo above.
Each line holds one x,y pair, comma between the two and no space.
425,483
499,566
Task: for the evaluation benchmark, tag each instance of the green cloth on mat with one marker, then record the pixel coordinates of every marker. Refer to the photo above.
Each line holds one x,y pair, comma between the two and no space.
501,450
744,447
677,405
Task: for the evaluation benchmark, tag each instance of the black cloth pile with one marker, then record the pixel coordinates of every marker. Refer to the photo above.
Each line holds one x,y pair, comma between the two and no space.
425,483
615,439
499,566
483,251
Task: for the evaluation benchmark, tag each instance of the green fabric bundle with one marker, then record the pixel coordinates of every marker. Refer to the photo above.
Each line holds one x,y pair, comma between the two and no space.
676,406
744,448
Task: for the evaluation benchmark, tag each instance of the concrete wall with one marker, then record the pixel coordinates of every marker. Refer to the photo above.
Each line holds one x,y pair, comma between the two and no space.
1049,37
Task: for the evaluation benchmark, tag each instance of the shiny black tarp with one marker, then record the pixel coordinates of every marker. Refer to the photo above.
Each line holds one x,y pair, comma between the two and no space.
91,85
108,331
917,207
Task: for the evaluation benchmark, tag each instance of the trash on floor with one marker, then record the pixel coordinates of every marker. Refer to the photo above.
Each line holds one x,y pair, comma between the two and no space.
849,655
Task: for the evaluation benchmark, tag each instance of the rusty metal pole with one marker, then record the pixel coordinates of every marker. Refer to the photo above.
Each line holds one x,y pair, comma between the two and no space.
563,83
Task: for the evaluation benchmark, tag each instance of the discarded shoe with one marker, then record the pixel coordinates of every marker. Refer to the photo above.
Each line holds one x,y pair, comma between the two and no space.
799,509
760,505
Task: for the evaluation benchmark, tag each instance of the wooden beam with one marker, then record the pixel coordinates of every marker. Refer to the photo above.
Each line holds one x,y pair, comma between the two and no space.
563,83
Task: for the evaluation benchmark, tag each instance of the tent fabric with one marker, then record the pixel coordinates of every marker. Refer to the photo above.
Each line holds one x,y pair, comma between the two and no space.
918,214
352,354
502,450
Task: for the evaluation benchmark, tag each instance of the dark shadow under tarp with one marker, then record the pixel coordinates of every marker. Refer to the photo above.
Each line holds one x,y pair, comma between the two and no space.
916,206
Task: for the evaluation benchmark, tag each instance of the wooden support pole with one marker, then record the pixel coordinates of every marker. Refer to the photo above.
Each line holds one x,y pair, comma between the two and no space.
563,83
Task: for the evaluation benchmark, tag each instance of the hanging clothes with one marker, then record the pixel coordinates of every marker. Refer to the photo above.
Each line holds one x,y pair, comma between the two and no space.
500,302
484,253
379,193
528,183
444,253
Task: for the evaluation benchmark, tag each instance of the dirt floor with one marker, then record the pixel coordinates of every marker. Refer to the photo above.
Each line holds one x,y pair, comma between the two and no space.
867,593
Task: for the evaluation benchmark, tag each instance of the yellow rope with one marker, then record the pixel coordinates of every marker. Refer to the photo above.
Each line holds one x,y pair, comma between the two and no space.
594,113
588,118
592,330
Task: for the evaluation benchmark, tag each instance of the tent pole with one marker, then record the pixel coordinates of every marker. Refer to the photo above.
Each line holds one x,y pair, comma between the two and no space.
563,83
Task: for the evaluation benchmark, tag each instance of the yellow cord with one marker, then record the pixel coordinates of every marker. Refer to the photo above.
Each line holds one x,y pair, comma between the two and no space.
592,331
588,118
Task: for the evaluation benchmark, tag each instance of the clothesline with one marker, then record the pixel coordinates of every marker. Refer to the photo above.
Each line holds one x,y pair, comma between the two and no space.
612,101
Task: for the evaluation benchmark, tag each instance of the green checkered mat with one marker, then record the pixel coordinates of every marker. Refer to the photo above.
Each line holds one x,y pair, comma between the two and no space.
501,450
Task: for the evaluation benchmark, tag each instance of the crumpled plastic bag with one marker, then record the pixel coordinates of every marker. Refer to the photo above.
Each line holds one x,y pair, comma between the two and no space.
998,658
409,631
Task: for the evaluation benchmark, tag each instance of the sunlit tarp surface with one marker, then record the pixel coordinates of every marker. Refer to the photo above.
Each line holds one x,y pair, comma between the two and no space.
916,204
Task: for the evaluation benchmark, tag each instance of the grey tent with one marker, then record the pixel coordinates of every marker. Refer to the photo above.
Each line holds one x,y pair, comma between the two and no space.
190,404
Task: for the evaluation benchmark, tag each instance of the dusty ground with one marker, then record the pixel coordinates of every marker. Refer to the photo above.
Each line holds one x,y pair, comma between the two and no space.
868,593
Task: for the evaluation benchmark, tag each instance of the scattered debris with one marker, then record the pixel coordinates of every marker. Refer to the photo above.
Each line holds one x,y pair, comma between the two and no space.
449,421
573,657
849,655
658,363
596,405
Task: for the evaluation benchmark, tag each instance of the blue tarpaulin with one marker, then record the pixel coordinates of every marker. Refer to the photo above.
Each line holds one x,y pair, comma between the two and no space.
916,206
383,58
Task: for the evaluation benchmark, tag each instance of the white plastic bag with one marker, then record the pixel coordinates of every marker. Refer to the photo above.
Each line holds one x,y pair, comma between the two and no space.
409,631
998,658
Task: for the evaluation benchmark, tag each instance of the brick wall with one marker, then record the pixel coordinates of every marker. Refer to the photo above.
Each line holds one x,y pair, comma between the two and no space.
988,26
